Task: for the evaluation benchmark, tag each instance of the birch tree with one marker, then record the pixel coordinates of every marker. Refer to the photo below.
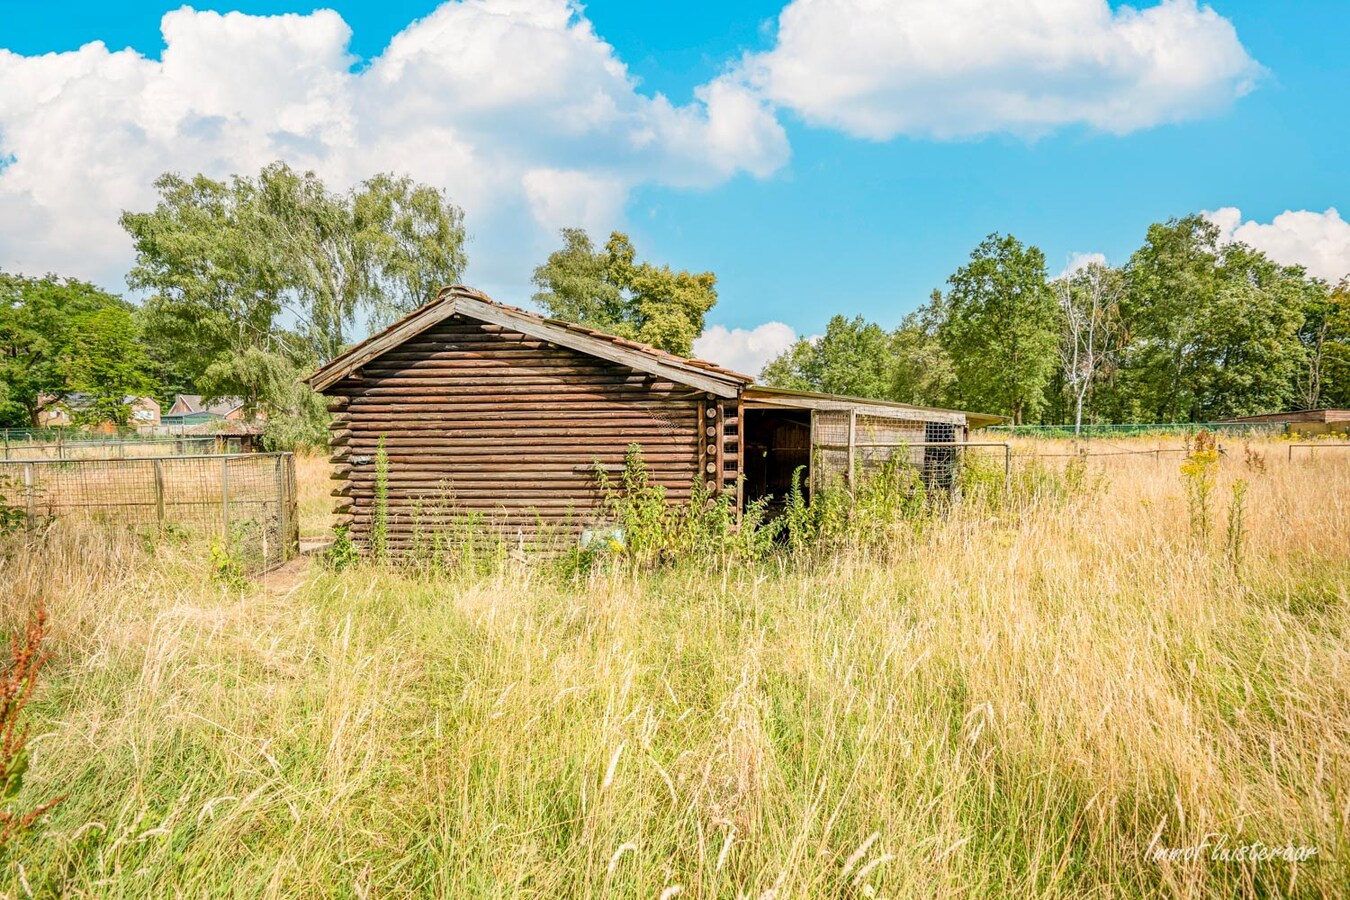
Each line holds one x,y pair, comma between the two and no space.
1089,304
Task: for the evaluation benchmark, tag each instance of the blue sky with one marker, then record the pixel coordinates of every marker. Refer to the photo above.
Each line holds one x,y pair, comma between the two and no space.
804,202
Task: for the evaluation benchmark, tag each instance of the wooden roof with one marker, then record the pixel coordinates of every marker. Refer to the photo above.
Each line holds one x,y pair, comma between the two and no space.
465,301
781,397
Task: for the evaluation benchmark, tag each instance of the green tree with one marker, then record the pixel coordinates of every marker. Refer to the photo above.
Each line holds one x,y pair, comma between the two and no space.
610,291
852,357
39,321
1325,333
1001,328
224,262
862,359
1213,329
1336,364
214,289
921,369
106,362
382,249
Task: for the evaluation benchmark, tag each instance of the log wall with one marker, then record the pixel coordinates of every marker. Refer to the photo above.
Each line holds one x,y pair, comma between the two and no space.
478,418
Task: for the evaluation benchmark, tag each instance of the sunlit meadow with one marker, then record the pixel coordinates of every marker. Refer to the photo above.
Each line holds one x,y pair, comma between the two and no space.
1039,698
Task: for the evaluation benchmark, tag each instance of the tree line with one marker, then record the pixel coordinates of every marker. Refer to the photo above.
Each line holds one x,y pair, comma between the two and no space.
246,284
1190,329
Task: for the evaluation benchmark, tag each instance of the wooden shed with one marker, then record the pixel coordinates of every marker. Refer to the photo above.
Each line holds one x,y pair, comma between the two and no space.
502,413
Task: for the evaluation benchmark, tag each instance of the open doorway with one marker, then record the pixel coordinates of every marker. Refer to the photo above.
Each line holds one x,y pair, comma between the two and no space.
777,443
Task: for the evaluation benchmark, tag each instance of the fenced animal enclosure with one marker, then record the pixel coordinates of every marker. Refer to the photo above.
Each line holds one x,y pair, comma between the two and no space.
244,502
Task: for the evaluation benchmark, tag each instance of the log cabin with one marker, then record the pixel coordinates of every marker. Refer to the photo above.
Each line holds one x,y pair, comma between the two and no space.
499,413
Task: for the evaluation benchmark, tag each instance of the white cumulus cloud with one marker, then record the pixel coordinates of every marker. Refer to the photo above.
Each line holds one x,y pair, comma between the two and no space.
516,107
958,68
744,349
1318,241
1078,261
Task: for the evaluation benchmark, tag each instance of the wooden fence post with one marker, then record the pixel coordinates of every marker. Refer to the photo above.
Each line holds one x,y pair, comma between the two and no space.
225,500
852,444
283,523
159,493
29,490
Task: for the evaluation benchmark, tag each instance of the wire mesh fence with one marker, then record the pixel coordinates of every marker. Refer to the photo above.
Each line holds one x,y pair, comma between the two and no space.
118,448
1132,429
246,503
852,448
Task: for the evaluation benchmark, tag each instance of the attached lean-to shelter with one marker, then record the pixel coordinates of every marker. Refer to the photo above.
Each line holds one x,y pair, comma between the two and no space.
1301,421
503,415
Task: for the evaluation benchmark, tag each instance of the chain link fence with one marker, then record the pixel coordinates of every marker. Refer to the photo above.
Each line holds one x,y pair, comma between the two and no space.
247,503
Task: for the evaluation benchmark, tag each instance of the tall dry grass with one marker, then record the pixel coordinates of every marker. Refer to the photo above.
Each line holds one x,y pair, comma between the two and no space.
1032,702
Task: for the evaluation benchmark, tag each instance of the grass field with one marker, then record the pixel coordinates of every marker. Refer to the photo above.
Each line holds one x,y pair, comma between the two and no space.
1052,698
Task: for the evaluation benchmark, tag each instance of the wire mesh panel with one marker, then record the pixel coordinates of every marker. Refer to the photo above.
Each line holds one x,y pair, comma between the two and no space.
849,446
118,449
246,502
829,446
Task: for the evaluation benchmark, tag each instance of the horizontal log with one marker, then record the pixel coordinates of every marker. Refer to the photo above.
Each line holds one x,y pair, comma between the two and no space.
459,387
680,413
337,403
423,507
390,418
580,499
642,432
488,365
492,468
342,490
447,465
617,393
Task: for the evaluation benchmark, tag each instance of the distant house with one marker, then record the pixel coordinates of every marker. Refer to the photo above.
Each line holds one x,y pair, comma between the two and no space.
71,410
1303,421
189,410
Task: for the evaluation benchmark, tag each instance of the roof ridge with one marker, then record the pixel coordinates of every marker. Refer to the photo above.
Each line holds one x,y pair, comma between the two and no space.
452,292
631,343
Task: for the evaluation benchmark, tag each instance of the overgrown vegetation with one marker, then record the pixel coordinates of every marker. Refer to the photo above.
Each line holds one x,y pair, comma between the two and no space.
1038,696
17,682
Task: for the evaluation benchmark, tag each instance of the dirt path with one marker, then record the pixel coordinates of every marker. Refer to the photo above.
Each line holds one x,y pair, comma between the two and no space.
287,577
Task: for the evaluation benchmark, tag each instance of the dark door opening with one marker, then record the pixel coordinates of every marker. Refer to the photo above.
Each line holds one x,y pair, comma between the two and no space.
777,443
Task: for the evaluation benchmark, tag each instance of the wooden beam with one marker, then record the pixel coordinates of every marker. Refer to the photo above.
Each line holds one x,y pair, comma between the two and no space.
910,413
